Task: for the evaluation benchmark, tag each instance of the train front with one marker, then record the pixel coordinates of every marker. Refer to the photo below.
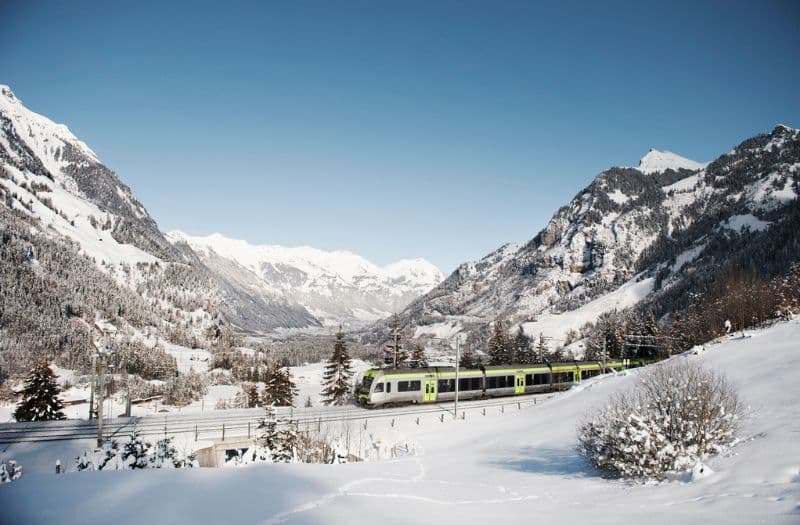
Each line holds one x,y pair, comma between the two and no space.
363,386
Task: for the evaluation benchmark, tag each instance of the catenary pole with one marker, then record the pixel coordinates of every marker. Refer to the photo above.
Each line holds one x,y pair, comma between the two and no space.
458,363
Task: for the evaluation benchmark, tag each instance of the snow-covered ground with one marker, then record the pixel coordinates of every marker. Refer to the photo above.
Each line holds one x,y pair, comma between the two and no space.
556,326
509,467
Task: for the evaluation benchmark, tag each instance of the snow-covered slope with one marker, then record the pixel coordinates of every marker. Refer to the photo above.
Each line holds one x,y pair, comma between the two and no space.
334,286
501,467
659,161
671,222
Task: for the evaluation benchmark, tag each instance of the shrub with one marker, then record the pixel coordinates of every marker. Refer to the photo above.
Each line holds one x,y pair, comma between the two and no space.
679,413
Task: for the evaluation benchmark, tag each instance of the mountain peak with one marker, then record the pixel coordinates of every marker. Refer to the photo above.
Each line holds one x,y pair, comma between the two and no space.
656,161
7,93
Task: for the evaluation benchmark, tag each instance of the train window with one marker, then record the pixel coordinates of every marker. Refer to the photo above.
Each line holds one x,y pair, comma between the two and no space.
409,386
469,383
500,382
447,385
379,388
541,379
528,379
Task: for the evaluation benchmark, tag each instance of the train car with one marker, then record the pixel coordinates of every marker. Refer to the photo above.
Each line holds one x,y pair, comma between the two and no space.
395,386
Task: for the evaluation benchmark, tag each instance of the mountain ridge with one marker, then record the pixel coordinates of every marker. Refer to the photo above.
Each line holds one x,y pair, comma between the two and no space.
336,285
627,226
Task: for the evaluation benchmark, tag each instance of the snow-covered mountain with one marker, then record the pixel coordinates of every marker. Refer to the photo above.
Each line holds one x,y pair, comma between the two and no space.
655,233
68,219
334,286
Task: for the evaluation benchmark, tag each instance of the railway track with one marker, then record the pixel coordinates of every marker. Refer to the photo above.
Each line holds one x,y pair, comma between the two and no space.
236,423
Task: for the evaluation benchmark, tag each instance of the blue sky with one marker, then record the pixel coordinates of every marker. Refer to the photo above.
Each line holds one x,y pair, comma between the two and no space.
395,129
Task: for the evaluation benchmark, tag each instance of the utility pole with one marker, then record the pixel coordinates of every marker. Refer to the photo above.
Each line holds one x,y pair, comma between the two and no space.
100,391
458,362
395,346
92,387
604,355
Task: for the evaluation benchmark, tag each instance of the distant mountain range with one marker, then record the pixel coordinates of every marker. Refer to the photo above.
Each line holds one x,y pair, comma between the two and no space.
334,287
77,244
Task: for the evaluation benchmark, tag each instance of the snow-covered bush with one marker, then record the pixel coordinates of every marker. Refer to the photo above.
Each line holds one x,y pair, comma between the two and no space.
133,455
10,471
678,413
136,452
165,455
107,457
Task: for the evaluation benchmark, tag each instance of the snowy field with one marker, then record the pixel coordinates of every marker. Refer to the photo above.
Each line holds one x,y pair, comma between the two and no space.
509,467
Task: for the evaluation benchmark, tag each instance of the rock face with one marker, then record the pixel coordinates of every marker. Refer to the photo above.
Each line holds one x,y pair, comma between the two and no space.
666,223
334,286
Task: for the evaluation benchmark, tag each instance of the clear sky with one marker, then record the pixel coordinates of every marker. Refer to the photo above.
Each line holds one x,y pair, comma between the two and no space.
395,129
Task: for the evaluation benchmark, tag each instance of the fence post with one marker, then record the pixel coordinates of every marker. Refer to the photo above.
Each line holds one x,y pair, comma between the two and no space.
441,418
195,432
248,430
519,406
502,409
58,466
483,411
417,420
392,422
223,432
463,415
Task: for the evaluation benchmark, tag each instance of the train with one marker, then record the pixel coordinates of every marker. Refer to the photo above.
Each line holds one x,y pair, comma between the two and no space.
378,387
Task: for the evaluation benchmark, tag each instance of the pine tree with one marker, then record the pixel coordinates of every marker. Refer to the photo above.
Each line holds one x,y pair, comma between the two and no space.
286,452
542,349
467,359
280,389
338,373
251,395
652,331
418,359
40,401
522,347
395,355
135,452
165,455
499,345
268,437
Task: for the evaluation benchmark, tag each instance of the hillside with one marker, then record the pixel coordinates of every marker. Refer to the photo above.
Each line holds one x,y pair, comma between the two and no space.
77,246
494,467
650,235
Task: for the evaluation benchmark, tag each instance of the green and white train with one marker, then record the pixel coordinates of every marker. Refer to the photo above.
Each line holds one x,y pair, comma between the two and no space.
394,386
